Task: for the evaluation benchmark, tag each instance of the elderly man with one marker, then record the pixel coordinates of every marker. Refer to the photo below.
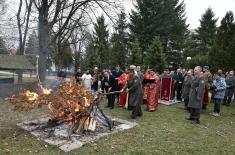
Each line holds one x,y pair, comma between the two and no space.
196,95
134,87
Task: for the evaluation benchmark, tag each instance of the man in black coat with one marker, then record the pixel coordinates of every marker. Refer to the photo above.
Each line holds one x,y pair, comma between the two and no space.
179,83
135,90
108,84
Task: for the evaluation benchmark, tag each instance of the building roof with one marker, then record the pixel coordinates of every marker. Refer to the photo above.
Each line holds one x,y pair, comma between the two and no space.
15,62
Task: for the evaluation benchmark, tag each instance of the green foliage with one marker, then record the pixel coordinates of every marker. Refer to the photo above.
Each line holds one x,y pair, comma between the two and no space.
205,34
91,55
222,52
135,53
155,56
197,61
3,49
119,42
159,18
101,36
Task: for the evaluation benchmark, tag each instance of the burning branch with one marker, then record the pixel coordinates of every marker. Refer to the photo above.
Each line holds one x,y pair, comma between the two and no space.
72,104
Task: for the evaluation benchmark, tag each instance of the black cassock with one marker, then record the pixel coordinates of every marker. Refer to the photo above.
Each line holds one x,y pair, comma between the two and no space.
135,99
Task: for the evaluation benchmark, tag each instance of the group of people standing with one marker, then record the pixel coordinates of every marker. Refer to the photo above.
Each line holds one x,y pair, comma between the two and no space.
132,88
124,86
197,86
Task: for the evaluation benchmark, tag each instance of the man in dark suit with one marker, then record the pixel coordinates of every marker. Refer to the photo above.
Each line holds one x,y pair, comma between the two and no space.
108,85
179,83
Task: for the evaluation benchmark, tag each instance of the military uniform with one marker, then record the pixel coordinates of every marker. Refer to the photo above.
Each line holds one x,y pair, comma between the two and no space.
195,98
186,90
230,82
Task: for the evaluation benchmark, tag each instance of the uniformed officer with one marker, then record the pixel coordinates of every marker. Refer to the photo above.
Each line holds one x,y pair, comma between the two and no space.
196,95
186,88
230,81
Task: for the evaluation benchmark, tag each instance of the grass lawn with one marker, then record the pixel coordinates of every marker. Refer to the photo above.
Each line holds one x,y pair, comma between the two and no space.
162,132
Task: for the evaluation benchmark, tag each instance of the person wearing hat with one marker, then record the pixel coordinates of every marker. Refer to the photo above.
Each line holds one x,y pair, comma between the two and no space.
134,88
186,88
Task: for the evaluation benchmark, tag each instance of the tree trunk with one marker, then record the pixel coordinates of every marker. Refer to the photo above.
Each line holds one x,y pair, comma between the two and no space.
44,44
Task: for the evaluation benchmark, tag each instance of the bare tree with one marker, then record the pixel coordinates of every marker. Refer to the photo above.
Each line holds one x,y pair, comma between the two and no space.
2,7
23,25
56,16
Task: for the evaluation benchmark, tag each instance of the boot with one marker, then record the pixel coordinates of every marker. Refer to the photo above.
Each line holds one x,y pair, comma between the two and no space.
195,121
225,100
229,101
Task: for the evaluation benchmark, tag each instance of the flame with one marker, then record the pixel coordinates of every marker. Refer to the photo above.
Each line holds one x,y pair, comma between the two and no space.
31,96
46,91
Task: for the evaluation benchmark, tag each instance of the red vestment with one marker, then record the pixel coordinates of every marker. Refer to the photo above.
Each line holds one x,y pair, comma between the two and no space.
206,95
153,94
123,95
145,86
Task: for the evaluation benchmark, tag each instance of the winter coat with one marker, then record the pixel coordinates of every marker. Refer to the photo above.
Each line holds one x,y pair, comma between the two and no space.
196,92
220,87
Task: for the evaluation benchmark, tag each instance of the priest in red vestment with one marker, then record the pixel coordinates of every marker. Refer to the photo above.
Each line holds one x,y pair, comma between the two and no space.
147,76
153,92
121,82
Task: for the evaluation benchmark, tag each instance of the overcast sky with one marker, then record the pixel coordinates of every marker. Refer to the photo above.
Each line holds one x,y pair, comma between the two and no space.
195,8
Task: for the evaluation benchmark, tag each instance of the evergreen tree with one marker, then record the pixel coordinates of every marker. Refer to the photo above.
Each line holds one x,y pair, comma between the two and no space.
135,53
63,57
32,46
119,42
3,49
222,52
91,58
155,56
206,32
101,36
159,18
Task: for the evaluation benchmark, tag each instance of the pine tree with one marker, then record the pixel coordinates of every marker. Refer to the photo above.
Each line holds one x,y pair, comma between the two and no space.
159,18
63,57
222,52
119,42
101,36
206,32
32,46
91,58
155,56
135,53
3,49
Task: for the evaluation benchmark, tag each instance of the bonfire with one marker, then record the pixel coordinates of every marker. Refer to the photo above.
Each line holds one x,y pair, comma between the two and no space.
70,104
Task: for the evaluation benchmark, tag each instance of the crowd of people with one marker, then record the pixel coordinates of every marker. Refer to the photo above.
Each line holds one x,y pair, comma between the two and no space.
132,87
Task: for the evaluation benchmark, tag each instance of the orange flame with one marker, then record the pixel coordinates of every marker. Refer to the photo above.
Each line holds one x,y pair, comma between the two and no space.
31,96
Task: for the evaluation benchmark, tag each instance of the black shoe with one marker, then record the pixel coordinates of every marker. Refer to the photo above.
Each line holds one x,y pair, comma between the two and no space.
195,122
133,117
189,119
140,114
